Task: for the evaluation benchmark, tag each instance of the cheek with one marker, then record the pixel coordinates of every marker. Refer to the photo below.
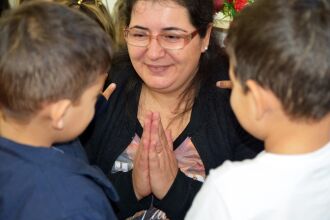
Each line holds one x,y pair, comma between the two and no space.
237,105
233,99
136,57
187,62
136,53
193,51
91,113
242,111
86,113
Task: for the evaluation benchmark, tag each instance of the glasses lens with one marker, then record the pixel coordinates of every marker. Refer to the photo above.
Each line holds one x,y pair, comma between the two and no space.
171,41
137,37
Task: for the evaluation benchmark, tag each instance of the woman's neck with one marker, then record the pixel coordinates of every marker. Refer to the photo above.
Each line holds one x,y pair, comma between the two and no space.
158,100
170,106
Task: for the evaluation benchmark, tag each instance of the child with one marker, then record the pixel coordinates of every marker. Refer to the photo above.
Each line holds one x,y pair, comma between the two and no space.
280,69
53,63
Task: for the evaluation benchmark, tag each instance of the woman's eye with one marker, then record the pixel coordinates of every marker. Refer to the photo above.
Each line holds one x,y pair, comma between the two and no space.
139,35
171,37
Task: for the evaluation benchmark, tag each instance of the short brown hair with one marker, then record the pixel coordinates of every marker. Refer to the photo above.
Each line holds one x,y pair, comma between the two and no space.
284,46
48,52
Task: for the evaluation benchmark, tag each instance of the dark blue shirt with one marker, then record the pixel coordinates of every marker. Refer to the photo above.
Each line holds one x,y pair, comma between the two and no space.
51,183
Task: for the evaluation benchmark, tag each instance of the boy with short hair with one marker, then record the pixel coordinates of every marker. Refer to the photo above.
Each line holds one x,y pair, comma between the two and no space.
53,63
280,69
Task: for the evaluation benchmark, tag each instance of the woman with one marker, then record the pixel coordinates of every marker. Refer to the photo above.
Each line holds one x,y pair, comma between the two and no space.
166,84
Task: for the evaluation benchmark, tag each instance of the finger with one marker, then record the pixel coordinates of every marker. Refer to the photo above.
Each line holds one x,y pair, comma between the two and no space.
172,159
156,152
163,146
169,139
161,132
144,153
156,129
146,130
154,160
224,84
109,90
167,159
145,139
154,157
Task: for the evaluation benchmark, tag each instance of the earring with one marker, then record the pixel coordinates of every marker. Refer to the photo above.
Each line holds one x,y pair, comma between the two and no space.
205,48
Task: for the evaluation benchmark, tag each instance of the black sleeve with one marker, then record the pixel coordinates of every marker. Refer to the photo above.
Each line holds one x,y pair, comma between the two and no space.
179,197
128,204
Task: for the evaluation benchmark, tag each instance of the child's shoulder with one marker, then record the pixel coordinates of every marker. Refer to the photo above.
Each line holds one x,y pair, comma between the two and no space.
50,180
234,169
231,174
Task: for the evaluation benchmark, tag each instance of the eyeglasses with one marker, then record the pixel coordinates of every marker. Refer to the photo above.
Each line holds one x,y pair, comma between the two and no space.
167,40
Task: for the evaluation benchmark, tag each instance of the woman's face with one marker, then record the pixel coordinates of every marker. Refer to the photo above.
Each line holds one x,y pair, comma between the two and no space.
164,70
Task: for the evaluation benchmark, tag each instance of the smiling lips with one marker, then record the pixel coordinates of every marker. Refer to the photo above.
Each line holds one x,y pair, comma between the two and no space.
157,68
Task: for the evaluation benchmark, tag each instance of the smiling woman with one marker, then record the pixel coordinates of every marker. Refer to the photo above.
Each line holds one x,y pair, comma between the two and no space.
167,124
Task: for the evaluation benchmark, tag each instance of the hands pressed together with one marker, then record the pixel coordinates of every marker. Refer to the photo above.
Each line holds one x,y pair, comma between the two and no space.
155,165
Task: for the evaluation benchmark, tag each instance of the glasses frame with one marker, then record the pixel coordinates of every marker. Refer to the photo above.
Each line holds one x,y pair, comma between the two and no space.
186,37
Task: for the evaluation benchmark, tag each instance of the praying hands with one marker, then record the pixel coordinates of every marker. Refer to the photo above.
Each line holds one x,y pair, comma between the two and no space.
155,165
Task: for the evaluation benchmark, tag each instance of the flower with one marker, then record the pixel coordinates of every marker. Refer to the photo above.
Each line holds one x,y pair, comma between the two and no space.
232,7
227,10
239,5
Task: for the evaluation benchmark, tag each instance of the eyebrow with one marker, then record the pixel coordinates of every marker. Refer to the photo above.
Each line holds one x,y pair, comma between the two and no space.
174,29
140,27
164,29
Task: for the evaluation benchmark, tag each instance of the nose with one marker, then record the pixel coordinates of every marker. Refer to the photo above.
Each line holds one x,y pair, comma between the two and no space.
154,49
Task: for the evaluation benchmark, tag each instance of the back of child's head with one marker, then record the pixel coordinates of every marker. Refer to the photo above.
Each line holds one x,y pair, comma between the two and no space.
48,52
284,46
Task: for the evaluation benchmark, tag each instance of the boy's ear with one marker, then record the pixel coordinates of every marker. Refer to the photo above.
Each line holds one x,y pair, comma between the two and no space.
260,99
58,111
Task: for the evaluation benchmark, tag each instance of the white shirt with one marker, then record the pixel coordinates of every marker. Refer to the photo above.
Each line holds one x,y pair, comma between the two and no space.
271,186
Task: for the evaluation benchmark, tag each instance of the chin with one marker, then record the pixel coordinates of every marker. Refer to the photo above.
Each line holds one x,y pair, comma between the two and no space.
66,138
158,84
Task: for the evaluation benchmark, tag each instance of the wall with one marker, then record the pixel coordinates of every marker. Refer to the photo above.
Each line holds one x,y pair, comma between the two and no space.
109,4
